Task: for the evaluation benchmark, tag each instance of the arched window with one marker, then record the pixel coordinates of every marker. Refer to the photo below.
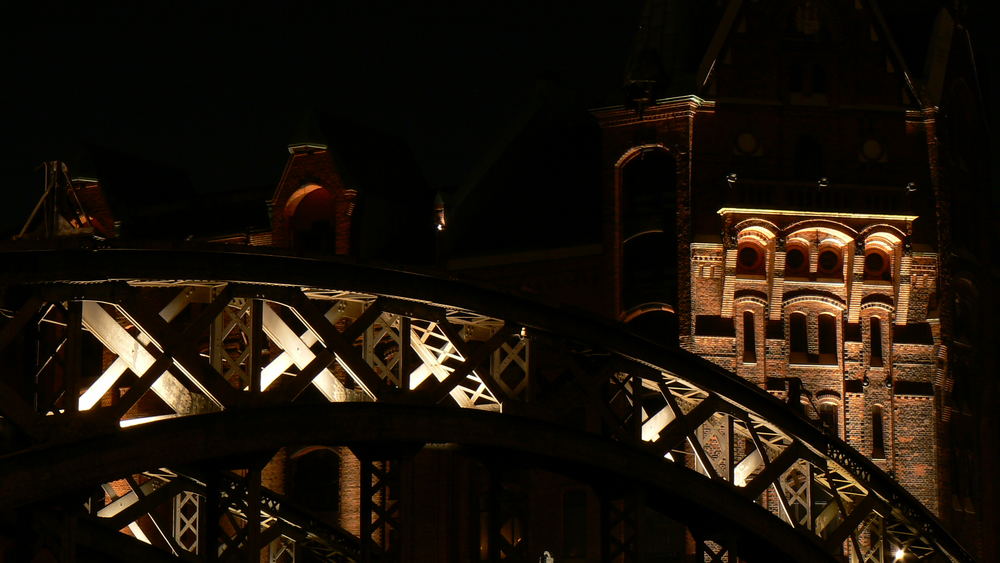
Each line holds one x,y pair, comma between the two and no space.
649,227
875,334
827,339
749,339
877,265
878,433
829,263
797,261
829,415
750,258
648,275
311,218
649,193
798,343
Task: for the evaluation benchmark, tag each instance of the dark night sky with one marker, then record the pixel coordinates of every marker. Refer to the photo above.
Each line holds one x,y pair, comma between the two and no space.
220,93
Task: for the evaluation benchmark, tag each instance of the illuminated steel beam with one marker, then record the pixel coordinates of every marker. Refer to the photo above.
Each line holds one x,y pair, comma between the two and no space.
675,417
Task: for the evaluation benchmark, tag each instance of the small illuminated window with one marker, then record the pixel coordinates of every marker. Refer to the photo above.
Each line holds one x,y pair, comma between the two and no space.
829,262
797,261
877,266
750,259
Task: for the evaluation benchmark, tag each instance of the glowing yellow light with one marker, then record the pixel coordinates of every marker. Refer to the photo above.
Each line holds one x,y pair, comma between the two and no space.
900,554
819,214
144,420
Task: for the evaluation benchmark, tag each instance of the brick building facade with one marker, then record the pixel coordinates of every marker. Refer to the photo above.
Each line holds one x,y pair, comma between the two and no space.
785,199
783,193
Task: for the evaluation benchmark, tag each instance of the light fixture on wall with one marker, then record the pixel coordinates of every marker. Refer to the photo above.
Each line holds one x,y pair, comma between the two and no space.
731,179
823,182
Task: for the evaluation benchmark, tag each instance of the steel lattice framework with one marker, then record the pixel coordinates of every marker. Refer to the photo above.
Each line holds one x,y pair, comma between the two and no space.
226,344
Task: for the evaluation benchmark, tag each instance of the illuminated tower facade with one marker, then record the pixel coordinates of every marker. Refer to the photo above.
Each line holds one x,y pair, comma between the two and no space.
781,191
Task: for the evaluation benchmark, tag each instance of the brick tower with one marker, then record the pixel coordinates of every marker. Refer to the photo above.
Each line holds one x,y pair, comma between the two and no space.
780,189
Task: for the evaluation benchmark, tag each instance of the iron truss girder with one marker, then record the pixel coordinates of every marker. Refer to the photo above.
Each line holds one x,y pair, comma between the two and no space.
172,510
197,332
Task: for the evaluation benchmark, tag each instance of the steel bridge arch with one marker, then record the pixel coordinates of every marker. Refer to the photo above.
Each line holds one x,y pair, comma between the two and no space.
654,401
216,437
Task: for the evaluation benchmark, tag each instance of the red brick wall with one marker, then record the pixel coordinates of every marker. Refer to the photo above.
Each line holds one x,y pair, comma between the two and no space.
312,165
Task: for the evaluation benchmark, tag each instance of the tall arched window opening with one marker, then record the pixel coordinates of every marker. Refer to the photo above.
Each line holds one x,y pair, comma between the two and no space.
649,229
878,434
875,330
646,276
829,263
749,339
311,217
827,339
649,193
798,343
829,416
